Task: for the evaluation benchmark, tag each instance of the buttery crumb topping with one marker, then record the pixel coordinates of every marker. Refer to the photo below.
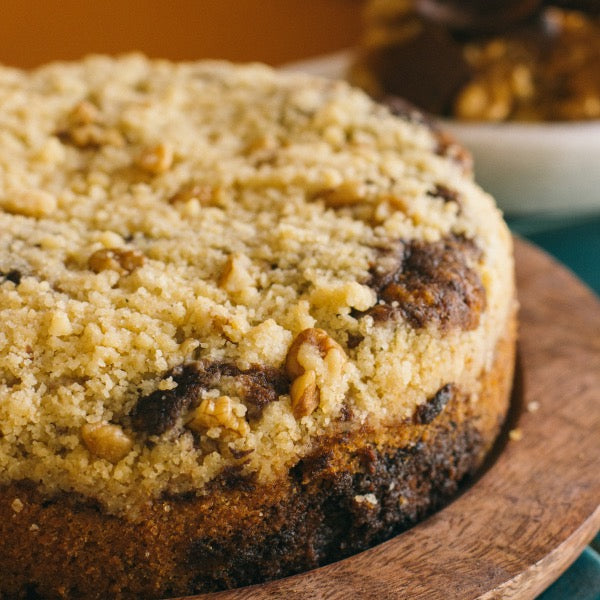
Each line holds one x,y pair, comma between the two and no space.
195,263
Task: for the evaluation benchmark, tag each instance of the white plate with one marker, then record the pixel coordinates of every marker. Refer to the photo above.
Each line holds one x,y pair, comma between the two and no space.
528,167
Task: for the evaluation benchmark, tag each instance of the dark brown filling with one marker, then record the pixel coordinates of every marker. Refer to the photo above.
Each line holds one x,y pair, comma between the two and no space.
14,275
429,283
159,411
426,413
444,193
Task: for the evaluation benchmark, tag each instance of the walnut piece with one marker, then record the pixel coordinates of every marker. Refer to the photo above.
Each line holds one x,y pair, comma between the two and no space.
84,113
487,102
30,203
116,259
312,351
156,159
86,130
106,441
17,505
219,412
204,193
304,394
87,136
236,277
317,340
346,194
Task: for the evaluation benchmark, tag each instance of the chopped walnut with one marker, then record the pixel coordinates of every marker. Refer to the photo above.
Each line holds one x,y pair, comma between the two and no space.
486,102
94,136
304,394
202,192
347,194
156,159
116,259
262,150
543,66
235,277
261,143
317,340
106,441
258,386
369,500
84,113
85,128
219,412
30,203
552,76
312,351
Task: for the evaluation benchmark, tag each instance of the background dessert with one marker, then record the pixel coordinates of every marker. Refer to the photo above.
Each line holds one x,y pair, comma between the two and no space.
484,61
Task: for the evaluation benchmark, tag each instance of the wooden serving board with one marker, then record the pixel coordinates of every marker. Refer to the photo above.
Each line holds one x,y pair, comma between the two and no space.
534,508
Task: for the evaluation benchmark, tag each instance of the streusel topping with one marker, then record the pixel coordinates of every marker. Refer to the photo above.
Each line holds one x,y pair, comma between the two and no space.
207,266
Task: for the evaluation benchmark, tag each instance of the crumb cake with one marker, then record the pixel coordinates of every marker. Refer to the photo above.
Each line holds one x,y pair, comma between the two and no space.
250,323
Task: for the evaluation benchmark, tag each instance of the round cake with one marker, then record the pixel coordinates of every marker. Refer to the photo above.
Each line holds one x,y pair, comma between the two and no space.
250,323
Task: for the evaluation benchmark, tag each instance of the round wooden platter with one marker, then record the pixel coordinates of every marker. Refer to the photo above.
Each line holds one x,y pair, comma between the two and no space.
535,507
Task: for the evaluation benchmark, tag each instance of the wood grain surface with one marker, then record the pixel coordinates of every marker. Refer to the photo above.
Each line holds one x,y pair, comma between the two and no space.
531,513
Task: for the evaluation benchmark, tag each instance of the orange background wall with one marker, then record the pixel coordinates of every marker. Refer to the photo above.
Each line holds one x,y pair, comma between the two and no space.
275,31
